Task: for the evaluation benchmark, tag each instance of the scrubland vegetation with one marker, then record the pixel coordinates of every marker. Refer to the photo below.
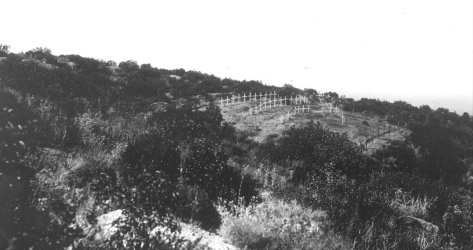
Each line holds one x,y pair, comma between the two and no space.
80,141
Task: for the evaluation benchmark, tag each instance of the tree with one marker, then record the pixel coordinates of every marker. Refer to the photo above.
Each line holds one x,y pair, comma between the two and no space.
310,91
4,49
129,66
288,90
41,50
465,118
111,63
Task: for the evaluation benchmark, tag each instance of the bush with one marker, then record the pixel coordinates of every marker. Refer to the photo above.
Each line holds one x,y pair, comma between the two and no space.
22,224
276,224
195,207
373,213
185,144
246,233
320,152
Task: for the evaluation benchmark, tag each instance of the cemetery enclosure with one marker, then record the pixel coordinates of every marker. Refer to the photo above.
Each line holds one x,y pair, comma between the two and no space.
273,121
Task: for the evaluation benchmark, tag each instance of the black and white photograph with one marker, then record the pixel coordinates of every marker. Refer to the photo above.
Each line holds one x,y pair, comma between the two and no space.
228,125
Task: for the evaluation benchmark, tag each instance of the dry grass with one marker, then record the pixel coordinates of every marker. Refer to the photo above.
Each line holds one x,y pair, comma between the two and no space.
411,206
275,224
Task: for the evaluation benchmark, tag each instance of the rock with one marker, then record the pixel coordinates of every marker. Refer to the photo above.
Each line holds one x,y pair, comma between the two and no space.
193,237
197,238
104,228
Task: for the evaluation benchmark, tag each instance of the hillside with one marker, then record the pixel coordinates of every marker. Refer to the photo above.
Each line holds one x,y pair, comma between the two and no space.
96,154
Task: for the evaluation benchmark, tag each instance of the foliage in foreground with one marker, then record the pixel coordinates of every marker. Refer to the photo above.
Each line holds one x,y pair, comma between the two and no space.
274,224
26,218
390,207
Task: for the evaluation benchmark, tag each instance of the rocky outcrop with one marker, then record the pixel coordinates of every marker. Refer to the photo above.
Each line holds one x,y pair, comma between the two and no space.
194,237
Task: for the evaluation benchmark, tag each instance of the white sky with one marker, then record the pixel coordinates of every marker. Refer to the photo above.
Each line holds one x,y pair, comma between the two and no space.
417,51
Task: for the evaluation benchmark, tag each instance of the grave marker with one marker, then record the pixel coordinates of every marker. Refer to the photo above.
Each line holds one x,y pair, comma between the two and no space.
244,98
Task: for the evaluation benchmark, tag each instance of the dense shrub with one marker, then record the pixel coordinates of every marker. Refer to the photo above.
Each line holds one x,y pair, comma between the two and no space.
398,157
185,144
22,224
439,151
364,212
18,138
320,151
